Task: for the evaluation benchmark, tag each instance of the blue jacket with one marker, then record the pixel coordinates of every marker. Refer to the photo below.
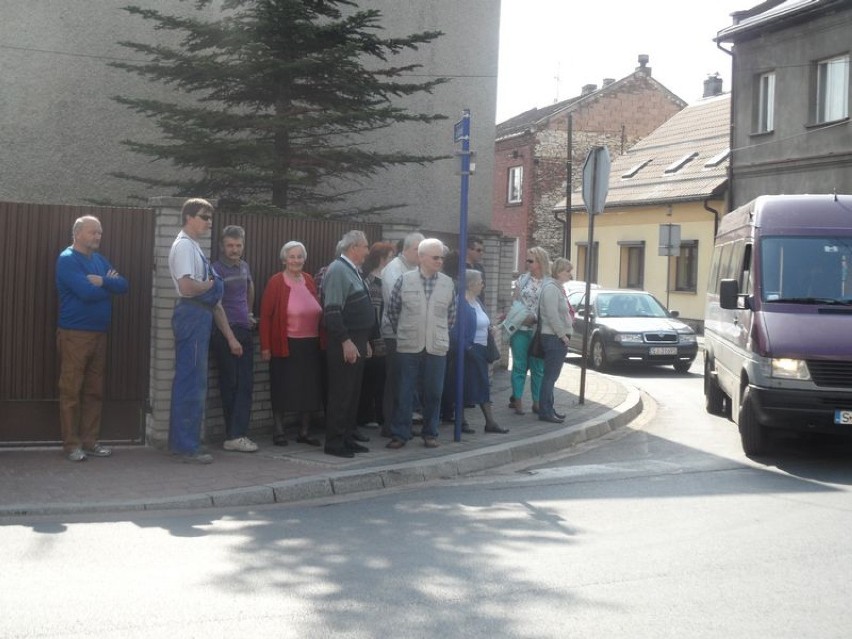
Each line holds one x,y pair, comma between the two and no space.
82,305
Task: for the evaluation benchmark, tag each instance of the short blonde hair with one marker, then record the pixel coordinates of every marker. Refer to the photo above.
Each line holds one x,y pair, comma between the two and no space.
561,264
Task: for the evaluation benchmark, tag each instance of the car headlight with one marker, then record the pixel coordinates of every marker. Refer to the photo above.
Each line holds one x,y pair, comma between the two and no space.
629,338
686,338
785,368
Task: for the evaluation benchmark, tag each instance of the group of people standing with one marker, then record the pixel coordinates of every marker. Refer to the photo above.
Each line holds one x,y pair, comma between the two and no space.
366,342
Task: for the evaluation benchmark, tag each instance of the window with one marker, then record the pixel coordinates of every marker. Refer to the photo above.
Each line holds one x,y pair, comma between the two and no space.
832,89
631,273
686,266
765,120
516,183
580,265
677,165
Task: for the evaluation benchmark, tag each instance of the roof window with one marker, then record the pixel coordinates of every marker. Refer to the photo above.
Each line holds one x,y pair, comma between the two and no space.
676,166
633,171
717,159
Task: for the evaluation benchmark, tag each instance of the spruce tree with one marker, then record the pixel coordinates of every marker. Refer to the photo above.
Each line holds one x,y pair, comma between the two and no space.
273,99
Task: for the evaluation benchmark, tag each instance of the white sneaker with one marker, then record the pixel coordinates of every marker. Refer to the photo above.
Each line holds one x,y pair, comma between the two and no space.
241,444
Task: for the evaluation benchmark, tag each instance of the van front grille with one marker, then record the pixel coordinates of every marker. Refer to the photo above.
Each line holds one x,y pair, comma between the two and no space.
831,373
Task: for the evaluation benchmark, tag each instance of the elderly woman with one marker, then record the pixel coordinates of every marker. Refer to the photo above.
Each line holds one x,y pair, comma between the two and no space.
527,290
556,330
370,410
477,387
290,316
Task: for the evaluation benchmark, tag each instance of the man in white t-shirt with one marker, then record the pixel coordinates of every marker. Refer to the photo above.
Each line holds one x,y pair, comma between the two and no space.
199,305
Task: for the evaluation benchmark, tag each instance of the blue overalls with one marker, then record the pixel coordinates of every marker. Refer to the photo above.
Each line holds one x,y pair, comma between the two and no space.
192,323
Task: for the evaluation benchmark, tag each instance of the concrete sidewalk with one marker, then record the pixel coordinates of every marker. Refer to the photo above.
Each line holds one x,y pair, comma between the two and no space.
41,481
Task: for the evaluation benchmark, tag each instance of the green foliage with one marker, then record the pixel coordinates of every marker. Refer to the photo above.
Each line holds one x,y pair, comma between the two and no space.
272,100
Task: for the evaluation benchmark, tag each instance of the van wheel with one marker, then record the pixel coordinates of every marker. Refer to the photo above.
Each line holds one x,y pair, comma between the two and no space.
752,434
682,366
714,398
597,356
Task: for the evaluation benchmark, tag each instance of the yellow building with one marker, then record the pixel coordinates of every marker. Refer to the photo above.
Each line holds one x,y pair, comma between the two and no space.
673,181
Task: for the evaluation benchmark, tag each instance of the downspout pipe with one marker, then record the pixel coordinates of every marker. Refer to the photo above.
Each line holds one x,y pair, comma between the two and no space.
715,216
731,200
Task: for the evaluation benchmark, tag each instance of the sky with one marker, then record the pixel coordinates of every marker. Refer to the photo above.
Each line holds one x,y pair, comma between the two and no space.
585,42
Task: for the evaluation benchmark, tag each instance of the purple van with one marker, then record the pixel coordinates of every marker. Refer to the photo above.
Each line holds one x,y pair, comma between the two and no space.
778,320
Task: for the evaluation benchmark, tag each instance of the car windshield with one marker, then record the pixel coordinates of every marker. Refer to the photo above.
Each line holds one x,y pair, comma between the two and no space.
628,305
807,270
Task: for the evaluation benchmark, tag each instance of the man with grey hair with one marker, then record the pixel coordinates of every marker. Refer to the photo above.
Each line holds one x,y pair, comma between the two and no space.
86,283
236,372
407,260
422,310
349,321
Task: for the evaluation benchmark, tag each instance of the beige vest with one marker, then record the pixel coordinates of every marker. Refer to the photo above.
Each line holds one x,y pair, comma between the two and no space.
423,324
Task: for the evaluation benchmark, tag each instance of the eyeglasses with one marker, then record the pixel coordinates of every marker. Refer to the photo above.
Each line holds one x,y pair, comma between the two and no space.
530,261
479,250
437,257
205,217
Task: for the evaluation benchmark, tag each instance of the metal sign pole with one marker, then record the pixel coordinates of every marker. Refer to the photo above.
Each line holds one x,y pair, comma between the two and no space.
461,133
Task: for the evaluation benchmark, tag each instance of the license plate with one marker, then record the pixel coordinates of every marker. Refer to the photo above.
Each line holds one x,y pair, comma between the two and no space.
843,417
663,350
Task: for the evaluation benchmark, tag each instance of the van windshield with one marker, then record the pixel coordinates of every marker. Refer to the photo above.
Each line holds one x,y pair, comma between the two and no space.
806,270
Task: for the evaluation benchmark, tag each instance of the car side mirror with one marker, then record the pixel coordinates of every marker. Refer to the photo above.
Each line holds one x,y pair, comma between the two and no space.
674,314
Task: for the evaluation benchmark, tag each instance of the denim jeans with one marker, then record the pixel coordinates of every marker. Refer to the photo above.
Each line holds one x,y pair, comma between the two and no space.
554,357
192,325
426,372
236,379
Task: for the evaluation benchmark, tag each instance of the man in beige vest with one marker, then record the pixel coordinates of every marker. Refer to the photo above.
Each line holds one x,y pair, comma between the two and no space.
421,311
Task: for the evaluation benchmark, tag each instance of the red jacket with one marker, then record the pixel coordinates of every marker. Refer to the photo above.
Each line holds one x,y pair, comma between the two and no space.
273,315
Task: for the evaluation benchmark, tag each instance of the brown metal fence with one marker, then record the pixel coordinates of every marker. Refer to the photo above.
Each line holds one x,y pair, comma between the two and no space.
32,238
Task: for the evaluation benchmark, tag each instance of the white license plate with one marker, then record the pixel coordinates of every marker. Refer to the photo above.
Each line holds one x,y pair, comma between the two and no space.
843,417
663,350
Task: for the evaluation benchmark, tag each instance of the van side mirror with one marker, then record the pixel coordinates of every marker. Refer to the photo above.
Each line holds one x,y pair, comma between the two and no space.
729,291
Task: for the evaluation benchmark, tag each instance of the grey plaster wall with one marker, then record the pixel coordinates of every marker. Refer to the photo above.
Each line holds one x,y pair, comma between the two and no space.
796,157
60,133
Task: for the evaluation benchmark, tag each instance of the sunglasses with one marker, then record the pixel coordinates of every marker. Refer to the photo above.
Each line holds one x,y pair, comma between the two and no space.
437,257
205,217
530,261
478,250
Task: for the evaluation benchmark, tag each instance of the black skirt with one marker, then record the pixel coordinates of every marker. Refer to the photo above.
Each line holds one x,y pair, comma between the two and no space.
477,387
295,382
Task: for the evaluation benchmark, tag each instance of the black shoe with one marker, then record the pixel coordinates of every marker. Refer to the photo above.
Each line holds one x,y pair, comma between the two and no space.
307,439
355,447
559,415
495,428
553,419
358,437
339,452
466,428
279,440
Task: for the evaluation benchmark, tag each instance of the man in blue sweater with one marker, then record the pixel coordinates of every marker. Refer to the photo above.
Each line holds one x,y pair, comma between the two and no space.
86,283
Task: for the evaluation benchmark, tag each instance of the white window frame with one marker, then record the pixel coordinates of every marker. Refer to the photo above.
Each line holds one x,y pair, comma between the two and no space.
766,102
515,189
832,89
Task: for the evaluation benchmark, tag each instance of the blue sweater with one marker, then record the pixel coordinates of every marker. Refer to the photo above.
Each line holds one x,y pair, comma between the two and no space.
82,305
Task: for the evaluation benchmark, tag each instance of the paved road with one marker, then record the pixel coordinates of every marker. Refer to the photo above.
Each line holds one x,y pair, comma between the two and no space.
659,529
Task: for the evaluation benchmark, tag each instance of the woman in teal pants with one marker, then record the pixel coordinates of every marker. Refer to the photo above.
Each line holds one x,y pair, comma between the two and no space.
527,290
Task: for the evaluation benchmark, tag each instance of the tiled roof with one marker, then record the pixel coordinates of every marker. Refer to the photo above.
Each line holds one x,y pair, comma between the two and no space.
699,132
530,119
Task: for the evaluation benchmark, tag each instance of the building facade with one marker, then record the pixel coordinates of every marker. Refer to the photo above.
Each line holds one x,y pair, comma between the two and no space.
61,132
790,128
531,151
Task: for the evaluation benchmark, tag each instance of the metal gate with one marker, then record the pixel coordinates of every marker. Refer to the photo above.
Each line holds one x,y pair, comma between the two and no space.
32,237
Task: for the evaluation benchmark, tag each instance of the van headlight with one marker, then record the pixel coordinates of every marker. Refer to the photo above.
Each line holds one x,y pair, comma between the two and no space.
785,368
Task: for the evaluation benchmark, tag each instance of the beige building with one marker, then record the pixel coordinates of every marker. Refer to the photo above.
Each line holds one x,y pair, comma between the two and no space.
61,133
677,175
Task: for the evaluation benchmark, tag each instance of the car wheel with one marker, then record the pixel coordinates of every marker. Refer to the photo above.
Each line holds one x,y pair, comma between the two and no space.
682,366
597,355
714,398
752,433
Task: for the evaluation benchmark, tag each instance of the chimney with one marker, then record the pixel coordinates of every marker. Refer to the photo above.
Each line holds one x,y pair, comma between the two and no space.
608,81
588,88
643,64
712,85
